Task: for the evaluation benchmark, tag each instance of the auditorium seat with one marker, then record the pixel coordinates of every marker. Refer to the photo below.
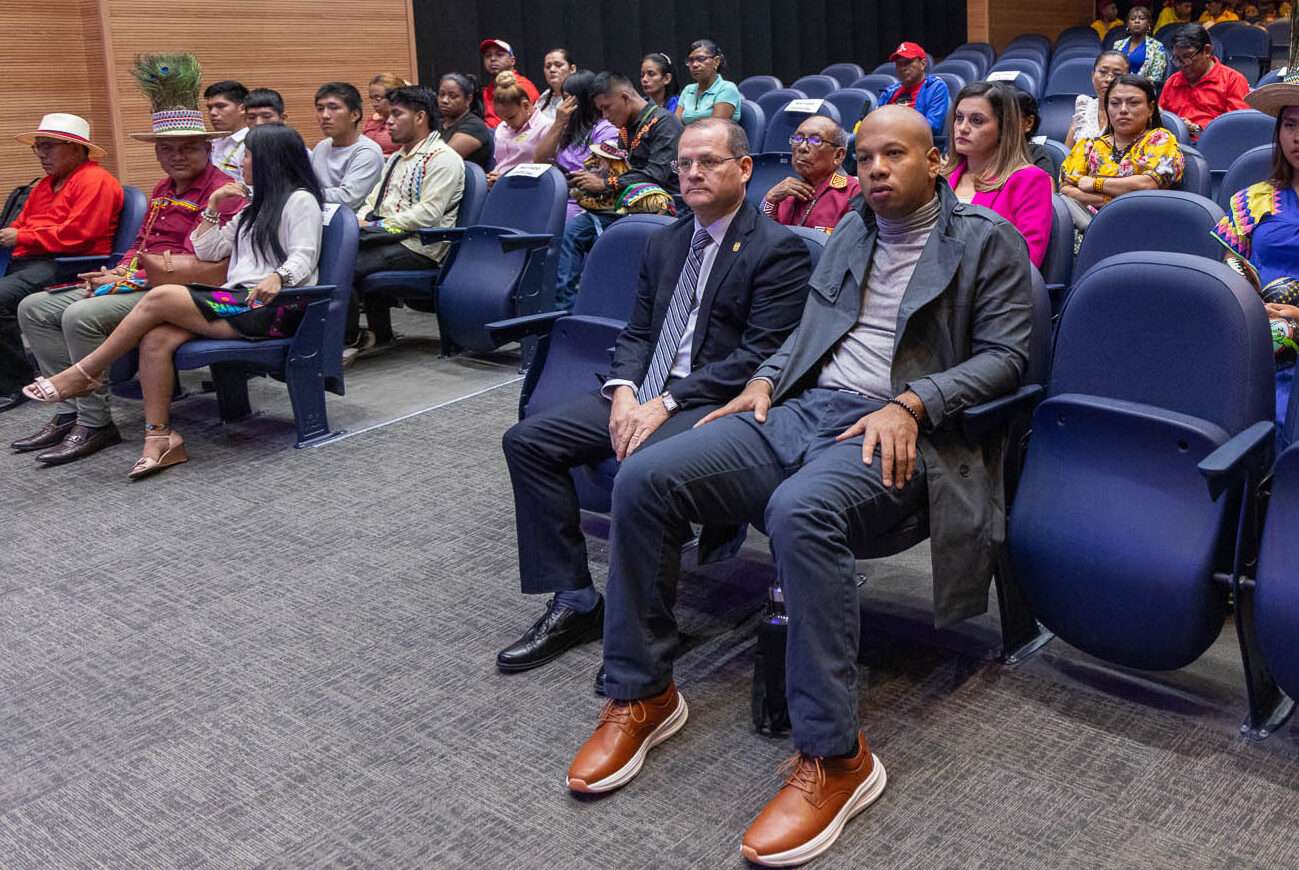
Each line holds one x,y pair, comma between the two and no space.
1245,48
1075,52
1164,221
1279,34
967,70
754,122
978,58
1232,134
1080,35
853,104
953,81
784,122
887,68
308,363
1058,154
129,220
755,86
1071,78
1276,597
1057,266
1268,78
1253,166
844,73
773,101
1034,40
1025,55
1196,177
1022,80
817,86
875,83
499,266
1176,125
1112,537
768,169
1055,116
989,53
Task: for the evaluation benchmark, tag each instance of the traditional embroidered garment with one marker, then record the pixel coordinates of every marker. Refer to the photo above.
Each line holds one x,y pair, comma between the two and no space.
831,200
1148,59
420,188
1156,154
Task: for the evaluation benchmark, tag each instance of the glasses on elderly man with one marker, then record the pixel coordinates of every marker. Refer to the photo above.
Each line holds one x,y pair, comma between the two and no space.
705,164
813,140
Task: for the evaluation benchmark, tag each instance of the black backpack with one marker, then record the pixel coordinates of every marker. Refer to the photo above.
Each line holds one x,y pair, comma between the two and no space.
14,203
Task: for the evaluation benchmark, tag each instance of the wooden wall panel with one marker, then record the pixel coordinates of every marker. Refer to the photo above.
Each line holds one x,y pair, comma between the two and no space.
1000,21
50,63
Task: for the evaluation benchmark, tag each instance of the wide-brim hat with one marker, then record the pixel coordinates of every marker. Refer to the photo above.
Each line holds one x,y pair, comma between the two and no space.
178,124
608,150
69,128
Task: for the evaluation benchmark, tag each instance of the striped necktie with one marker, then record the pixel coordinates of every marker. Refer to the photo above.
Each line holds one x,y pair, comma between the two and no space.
674,324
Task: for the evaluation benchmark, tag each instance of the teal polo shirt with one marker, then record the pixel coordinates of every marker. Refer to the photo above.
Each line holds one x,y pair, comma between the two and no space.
695,105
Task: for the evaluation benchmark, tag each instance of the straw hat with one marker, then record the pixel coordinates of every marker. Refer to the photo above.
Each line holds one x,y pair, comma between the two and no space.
68,128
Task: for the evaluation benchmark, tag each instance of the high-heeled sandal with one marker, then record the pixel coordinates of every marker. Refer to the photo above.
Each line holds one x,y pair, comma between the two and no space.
174,454
43,389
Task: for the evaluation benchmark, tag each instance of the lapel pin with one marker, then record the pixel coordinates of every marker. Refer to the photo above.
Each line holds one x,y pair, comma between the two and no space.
735,248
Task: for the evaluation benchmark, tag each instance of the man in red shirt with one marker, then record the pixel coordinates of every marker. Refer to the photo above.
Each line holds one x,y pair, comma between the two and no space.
1204,88
497,58
71,211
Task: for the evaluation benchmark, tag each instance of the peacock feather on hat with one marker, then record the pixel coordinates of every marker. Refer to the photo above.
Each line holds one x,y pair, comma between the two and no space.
171,83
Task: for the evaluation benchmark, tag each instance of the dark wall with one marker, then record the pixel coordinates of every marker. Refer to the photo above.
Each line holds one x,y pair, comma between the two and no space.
778,37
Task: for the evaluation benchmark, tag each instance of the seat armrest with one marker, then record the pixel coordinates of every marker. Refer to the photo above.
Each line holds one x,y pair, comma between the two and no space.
429,235
1057,292
315,291
981,420
531,241
70,267
1245,457
517,328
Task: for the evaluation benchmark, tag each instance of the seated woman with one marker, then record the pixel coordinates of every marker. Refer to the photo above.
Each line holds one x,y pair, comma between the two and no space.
1089,119
709,95
658,81
578,126
274,242
460,103
1135,153
376,126
520,127
1146,55
989,166
1261,234
556,66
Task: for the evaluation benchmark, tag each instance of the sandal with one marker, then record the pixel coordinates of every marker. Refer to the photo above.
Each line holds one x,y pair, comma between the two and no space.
43,389
174,454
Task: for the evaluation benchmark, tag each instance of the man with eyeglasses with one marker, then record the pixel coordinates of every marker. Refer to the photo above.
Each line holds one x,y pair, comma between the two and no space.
71,211
718,292
1203,88
649,135
820,193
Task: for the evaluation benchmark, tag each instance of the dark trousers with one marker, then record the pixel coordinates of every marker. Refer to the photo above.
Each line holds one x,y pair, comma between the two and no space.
26,275
383,257
580,234
817,500
539,451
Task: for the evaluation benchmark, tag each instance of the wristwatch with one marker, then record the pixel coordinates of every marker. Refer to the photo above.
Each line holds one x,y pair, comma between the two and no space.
669,403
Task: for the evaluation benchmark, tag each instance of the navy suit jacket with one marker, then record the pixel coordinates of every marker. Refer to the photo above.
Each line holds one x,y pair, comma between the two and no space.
753,300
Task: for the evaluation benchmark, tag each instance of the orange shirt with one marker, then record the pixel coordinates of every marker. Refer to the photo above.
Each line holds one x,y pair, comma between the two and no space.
1221,90
78,219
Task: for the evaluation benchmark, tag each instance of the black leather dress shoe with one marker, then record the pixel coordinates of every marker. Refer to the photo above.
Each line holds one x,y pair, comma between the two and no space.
50,434
8,403
599,682
80,442
557,631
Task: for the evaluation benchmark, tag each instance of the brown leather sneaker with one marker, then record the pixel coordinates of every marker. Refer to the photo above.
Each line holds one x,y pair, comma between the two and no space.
808,814
627,730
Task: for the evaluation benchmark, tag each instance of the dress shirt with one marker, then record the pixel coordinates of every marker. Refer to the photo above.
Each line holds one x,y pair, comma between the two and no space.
78,218
1218,91
228,154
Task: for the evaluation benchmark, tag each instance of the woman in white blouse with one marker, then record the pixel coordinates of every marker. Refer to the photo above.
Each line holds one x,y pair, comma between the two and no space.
1089,120
274,242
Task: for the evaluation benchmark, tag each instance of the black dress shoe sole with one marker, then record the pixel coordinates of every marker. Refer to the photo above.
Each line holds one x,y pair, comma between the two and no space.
28,448
517,667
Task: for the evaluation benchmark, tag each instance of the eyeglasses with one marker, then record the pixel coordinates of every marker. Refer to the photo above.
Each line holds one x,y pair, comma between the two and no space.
707,165
1186,57
697,59
813,140
40,146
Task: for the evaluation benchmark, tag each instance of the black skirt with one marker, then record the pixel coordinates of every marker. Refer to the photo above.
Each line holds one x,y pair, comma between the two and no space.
276,320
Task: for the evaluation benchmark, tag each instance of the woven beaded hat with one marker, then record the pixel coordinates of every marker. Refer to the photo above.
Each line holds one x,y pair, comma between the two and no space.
171,81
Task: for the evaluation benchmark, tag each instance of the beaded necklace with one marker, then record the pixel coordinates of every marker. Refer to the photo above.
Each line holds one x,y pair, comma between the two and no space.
642,129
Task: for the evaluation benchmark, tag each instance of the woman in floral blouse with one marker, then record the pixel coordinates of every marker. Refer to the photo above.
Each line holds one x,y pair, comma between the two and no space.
1134,153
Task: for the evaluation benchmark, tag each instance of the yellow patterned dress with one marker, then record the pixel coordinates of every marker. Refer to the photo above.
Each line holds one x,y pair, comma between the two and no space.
1155,154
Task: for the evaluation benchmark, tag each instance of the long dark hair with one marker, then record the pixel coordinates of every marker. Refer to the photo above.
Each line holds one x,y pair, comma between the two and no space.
664,63
468,85
280,168
1143,84
1282,172
580,86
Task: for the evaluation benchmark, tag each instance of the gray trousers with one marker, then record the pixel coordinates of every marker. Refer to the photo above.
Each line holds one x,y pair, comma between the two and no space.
818,502
62,328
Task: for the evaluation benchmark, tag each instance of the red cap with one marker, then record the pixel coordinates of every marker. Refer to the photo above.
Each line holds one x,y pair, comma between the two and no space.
495,43
907,50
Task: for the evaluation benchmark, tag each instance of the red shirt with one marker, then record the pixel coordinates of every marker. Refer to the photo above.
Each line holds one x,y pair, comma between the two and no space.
377,129
79,219
830,201
489,110
172,217
1221,90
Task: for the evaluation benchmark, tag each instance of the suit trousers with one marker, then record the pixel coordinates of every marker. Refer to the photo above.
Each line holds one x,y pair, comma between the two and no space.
26,275
539,451
64,327
818,501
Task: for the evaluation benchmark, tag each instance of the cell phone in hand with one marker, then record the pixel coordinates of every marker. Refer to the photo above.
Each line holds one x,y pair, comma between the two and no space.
62,288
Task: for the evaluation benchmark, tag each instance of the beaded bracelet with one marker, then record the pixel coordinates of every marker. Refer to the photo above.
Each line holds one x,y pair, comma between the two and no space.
904,406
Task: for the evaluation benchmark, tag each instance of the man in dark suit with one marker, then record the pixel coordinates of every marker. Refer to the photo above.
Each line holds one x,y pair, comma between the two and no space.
919,308
718,293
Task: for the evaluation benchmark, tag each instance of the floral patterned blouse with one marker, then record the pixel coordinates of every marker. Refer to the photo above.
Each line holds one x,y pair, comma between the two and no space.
1156,154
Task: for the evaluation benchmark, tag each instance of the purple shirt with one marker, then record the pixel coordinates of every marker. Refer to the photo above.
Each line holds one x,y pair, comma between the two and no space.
572,158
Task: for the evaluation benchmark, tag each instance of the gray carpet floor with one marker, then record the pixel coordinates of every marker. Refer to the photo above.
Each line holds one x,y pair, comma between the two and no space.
284,658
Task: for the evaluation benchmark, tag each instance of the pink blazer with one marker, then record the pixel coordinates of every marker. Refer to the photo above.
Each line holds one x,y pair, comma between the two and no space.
1025,201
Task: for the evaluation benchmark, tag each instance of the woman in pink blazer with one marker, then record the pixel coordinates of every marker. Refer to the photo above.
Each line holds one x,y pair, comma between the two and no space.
988,165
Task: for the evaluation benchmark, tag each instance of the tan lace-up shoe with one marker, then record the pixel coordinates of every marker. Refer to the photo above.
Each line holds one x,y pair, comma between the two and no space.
627,730
807,815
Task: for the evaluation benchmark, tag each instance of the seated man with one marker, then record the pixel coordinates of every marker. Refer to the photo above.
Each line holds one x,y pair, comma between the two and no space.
347,164
741,281
498,56
225,109
264,106
919,308
421,186
1203,87
821,193
649,135
71,211
63,327
927,94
